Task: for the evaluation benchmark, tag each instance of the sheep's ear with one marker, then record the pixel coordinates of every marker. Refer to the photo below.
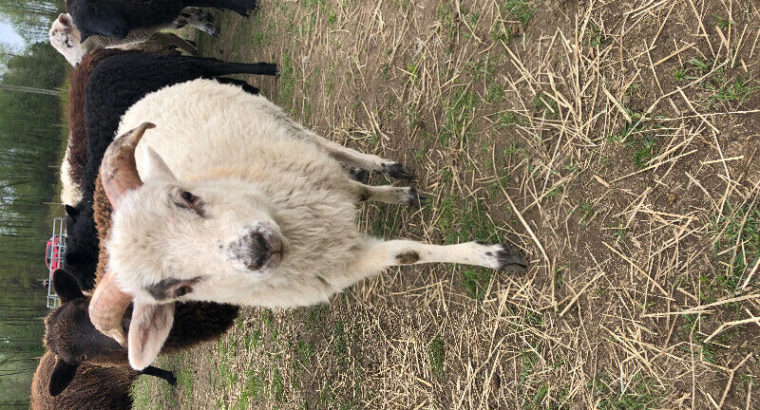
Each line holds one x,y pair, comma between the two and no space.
64,19
72,212
62,375
66,286
148,331
156,169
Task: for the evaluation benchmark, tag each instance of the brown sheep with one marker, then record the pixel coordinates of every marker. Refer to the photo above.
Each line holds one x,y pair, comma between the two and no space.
94,387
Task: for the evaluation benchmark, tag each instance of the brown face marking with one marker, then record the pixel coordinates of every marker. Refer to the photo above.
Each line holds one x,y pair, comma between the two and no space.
171,288
407,258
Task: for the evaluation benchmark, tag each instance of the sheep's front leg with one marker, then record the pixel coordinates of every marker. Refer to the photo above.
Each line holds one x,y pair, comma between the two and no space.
376,255
160,373
388,194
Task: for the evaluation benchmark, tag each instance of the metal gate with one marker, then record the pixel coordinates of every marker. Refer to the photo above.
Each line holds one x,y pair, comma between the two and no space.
54,257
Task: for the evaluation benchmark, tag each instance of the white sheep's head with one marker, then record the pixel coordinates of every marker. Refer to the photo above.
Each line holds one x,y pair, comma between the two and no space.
64,37
167,236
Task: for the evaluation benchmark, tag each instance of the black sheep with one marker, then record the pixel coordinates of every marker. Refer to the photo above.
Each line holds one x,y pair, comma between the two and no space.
119,80
116,18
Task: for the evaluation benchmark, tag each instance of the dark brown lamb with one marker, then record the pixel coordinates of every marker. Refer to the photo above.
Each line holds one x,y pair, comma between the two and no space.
93,387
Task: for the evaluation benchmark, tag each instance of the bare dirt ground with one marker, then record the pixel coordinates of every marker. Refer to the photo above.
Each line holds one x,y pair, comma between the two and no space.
616,143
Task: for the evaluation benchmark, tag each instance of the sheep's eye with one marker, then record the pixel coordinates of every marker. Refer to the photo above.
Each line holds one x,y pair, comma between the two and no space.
182,291
188,197
187,200
81,358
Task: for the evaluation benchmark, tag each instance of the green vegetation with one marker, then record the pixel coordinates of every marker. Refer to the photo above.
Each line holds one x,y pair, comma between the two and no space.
437,355
740,232
639,393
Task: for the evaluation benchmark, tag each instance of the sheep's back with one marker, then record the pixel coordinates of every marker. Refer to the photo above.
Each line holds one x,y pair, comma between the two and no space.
137,13
77,157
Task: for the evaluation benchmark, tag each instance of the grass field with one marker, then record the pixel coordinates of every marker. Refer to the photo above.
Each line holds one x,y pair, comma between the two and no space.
616,143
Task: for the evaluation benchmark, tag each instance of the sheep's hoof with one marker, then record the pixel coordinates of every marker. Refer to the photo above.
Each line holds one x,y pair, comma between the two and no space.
212,30
414,198
172,380
508,259
396,170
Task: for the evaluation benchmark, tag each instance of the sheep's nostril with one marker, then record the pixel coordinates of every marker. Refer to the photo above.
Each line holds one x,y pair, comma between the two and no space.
260,250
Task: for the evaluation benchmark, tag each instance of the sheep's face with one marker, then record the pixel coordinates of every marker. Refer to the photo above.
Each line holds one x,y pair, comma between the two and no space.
175,241
71,336
64,37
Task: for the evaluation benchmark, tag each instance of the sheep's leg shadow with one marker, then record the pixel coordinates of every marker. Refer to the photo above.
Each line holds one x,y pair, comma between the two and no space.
376,255
160,373
388,194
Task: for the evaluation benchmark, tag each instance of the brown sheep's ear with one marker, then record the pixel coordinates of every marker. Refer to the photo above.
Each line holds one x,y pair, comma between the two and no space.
63,374
148,331
66,286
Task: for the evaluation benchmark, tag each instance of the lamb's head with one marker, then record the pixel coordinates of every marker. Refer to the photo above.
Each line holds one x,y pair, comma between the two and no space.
65,37
73,339
167,235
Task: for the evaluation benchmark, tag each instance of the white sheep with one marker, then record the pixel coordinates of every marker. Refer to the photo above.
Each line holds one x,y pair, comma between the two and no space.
240,204
65,37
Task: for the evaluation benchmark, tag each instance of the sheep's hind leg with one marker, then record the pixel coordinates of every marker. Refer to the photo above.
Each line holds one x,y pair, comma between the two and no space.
160,373
347,156
376,255
388,194
357,159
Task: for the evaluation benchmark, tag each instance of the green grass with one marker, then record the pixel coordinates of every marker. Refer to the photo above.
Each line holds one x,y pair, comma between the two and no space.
458,111
144,398
436,354
587,212
509,119
595,36
736,91
639,394
185,379
746,234
287,81
721,22
646,149
519,10
475,281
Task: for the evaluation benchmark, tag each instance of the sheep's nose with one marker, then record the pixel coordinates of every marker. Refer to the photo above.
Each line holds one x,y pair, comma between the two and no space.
260,251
